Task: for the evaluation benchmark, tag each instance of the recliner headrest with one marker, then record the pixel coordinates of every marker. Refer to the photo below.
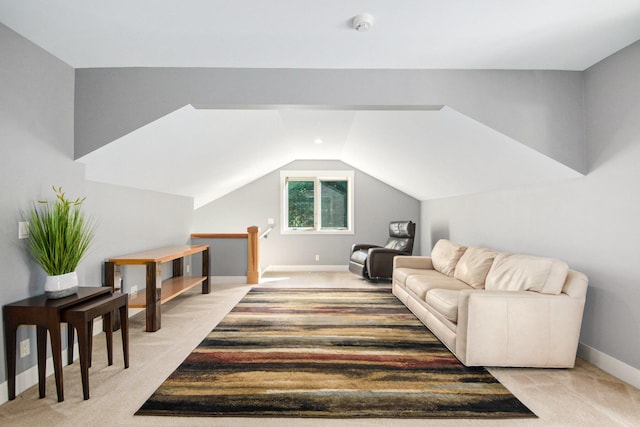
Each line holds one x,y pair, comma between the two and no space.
402,229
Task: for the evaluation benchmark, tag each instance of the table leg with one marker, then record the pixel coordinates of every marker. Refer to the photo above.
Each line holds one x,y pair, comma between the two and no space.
109,333
56,353
90,341
153,292
41,337
110,269
70,342
206,288
125,333
10,337
110,275
85,333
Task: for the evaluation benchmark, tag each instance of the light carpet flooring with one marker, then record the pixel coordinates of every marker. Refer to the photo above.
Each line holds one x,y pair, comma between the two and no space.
583,396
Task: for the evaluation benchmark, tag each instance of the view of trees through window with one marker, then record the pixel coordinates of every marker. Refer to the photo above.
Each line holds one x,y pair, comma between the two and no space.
301,203
333,204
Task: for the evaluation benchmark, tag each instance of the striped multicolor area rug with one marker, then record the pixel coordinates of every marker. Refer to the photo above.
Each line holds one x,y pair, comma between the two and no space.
327,353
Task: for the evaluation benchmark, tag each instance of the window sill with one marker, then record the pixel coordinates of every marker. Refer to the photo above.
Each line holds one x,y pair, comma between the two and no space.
319,232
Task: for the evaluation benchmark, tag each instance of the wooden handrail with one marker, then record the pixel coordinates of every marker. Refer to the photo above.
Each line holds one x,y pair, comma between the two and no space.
219,235
253,249
265,233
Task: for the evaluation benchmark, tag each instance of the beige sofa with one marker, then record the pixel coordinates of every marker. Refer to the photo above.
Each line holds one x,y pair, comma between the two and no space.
495,309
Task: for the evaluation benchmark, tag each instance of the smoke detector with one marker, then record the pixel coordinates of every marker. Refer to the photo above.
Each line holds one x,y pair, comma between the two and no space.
362,22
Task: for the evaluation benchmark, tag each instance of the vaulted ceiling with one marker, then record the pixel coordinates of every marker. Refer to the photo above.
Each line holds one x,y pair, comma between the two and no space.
452,154
424,153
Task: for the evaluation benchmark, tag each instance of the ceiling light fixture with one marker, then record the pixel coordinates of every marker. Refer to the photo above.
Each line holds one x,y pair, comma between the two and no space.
318,141
362,22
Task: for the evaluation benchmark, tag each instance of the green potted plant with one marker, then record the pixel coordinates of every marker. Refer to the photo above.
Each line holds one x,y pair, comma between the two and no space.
59,236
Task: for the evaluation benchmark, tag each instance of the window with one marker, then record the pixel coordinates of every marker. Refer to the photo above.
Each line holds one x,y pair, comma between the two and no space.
317,202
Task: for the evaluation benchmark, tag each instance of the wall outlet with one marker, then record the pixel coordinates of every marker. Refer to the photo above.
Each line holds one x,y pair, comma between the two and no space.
133,290
317,257
25,348
188,268
270,221
23,230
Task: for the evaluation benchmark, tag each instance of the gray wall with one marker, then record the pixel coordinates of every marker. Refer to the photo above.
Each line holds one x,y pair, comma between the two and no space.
376,204
591,222
130,220
37,151
227,256
542,109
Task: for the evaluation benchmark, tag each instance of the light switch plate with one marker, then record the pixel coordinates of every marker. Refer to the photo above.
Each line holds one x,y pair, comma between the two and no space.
23,230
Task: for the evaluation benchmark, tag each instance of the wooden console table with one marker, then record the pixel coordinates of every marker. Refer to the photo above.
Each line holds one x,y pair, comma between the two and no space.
158,291
45,314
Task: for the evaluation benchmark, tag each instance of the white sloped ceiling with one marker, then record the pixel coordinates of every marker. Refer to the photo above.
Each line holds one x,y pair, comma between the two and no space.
430,153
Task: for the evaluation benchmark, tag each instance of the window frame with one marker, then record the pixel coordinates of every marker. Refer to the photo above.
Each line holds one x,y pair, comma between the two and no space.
317,177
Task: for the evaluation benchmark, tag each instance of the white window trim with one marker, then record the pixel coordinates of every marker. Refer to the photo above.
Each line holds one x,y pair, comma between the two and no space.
316,175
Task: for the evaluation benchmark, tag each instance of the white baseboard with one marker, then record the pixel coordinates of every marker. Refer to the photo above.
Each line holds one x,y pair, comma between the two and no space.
227,280
611,365
312,267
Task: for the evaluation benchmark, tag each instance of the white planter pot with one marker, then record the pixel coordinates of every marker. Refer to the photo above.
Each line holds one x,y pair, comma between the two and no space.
61,285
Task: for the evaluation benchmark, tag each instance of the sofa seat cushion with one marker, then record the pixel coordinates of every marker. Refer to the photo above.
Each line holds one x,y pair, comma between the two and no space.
445,256
513,272
420,284
445,302
473,266
401,274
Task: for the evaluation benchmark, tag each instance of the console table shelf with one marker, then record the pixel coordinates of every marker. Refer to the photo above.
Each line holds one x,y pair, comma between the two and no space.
158,291
170,289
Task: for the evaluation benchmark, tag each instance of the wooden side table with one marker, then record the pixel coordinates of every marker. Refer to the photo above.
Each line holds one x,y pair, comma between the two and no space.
80,317
45,314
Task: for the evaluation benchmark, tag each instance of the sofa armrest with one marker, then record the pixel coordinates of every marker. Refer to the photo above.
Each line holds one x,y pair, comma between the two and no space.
518,328
576,284
419,262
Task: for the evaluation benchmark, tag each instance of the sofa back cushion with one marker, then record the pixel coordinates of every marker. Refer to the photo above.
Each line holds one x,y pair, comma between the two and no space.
474,265
512,272
445,256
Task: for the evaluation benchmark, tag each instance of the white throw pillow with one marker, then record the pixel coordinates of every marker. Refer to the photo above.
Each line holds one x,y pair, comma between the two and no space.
474,265
512,272
445,256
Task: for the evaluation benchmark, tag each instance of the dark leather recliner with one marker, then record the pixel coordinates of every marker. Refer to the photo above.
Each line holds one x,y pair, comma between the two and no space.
376,262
